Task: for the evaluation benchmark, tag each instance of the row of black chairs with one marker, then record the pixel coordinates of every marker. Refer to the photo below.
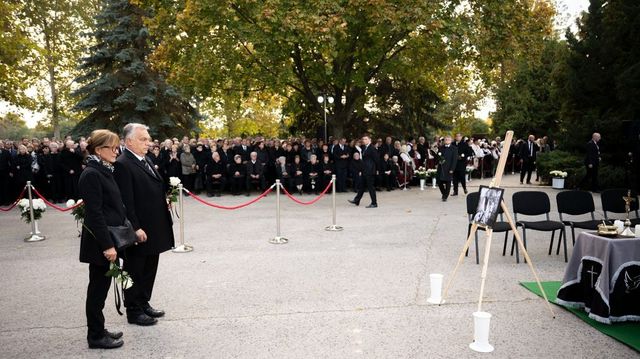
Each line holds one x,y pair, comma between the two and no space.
570,203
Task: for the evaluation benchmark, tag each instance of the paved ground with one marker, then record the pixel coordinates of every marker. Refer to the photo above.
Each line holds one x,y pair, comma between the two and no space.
360,293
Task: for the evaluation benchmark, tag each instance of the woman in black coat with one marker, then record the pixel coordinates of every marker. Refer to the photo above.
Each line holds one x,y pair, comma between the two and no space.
21,168
102,207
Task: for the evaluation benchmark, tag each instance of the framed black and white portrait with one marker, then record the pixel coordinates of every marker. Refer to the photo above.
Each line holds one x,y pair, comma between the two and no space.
488,206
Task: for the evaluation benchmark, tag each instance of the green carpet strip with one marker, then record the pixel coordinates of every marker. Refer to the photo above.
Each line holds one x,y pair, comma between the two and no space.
627,333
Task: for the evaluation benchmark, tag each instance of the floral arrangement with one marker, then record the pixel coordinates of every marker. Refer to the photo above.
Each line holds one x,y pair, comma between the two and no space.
122,277
469,169
558,174
431,172
422,172
77,212
38,208
174,191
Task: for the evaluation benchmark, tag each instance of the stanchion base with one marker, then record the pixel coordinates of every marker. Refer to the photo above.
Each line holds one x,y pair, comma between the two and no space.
481,348
333,228
35,238
183,248
435,301
278,240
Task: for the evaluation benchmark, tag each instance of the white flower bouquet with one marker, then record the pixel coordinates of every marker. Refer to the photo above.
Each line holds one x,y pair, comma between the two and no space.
431,172
78,212
38,208
422,172
558,174
174,191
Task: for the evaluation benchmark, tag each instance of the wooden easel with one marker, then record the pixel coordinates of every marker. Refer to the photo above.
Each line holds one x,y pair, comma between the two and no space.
495,183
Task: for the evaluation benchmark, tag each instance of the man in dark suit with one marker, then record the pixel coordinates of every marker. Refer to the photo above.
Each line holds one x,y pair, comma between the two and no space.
370,159
592,162
460,173
528,152
341,154
143,195
243,150
447,158
255,173
71,164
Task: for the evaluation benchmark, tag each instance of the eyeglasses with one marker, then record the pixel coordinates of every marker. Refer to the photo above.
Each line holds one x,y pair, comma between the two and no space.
114,149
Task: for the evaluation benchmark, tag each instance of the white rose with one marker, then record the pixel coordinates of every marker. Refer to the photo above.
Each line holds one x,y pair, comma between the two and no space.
174,181
462,155
439,153
71,203
23,203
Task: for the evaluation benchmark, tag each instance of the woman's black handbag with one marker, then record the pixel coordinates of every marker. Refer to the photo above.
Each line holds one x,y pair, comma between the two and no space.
123,236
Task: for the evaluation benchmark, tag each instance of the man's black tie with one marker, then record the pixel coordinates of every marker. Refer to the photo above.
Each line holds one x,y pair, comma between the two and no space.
148,167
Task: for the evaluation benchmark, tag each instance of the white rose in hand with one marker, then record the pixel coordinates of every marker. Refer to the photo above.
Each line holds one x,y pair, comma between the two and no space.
174,181
71,203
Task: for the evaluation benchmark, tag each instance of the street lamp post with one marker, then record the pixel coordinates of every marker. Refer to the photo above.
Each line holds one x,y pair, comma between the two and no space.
321,99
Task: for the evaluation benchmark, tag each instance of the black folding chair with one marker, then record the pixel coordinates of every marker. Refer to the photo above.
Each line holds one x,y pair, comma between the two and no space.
535,203
576,203
499,226
612,202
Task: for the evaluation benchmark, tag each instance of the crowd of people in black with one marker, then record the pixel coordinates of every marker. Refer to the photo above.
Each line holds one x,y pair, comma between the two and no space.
240,165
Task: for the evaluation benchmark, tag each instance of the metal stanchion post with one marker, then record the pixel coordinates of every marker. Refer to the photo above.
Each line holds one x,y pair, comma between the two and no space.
278,239
35,233
482,167
333,227
513,164
182,248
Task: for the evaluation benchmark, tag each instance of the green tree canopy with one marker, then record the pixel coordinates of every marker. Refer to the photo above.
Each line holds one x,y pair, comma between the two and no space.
120,86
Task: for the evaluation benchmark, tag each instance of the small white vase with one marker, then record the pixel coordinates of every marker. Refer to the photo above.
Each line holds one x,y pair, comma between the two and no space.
557,183
422,183
433,182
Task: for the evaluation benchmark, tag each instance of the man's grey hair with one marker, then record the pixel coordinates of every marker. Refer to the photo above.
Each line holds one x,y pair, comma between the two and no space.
130,128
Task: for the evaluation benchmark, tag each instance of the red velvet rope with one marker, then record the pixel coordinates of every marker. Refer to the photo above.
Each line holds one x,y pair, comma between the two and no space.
14,203
309,202
230,207
53,205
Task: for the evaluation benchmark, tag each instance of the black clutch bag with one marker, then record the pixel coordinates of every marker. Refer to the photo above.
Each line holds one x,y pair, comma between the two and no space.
123,236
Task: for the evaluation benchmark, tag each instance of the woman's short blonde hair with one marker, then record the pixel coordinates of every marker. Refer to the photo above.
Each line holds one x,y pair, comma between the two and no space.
102,138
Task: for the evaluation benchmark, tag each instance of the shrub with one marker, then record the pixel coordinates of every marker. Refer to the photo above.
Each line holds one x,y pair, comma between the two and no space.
560,161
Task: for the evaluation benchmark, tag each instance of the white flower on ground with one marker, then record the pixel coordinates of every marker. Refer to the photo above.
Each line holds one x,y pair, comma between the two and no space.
174,181
24,203
71,203
39,204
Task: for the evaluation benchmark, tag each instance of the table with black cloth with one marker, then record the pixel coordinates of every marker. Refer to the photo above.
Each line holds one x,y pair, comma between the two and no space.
603,277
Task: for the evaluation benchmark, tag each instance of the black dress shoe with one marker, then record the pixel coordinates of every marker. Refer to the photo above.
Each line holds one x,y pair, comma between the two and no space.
354,202
372,205
153,313
141,319
444,199
466,192
106,342
113,335
454,194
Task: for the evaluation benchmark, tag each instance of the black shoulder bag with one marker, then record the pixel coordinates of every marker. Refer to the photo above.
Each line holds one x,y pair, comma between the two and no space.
123,236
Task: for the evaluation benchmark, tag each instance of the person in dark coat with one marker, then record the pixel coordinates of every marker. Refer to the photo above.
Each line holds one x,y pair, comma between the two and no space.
71,164
447,158
283,174
327,172
255,173
528,152
370,159
5,169
460,173
21,169
102,207
592,163
341,154
297,173
215,173
313,172
143,195
51,170
237,173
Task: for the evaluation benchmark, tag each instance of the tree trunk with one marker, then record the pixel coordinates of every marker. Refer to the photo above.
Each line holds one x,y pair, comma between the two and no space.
55,113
